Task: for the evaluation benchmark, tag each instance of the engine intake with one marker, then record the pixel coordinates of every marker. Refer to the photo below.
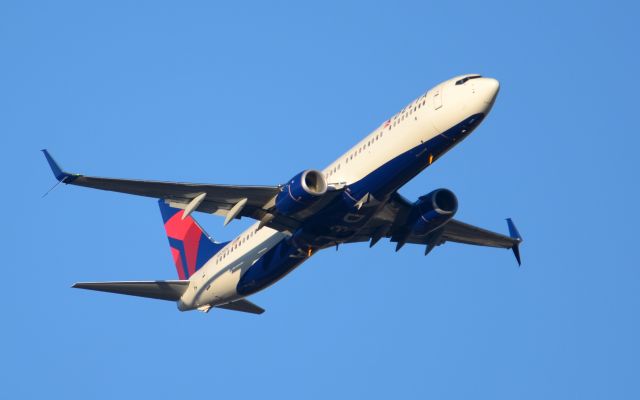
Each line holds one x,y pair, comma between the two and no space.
432,210
302,191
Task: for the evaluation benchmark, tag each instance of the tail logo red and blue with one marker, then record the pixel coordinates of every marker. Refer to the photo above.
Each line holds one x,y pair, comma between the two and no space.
190,246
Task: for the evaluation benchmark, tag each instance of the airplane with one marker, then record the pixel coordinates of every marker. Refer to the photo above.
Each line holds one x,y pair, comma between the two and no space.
355,199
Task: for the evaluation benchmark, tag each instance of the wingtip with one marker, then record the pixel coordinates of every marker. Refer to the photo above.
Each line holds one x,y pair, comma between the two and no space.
515,235
516,253
513,231
58,172
55,167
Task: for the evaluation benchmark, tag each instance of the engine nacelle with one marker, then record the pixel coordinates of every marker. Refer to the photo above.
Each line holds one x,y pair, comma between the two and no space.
432,210
302,191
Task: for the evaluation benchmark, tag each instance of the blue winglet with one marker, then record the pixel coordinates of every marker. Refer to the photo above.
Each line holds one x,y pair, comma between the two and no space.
513,232
60,175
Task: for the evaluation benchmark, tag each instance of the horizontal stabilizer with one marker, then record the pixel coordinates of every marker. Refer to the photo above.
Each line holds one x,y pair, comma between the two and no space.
242,305
163,290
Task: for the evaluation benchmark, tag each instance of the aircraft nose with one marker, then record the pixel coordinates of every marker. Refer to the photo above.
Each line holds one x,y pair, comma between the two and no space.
487,89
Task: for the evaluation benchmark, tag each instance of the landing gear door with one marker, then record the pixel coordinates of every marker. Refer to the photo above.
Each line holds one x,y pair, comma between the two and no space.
436,100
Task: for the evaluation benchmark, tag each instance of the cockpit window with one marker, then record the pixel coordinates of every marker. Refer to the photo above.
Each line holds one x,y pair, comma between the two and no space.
466,78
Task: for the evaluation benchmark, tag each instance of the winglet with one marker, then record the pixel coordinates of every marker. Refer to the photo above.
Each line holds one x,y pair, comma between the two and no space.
60,175
513,232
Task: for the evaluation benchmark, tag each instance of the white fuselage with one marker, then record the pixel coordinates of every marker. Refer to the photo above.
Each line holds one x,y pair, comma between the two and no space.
429,115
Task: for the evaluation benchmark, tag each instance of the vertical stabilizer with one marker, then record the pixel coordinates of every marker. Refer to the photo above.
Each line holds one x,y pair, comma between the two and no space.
190,245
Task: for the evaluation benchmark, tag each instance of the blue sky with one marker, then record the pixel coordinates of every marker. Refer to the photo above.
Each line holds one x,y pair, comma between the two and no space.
252,93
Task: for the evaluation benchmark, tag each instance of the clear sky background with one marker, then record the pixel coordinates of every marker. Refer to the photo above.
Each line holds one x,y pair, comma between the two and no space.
252,93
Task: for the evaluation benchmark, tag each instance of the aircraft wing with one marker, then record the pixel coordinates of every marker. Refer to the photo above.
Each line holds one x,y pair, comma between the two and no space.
231,201
460,232
390,222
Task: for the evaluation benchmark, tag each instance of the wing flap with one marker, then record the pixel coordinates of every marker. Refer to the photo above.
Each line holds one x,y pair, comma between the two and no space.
162,290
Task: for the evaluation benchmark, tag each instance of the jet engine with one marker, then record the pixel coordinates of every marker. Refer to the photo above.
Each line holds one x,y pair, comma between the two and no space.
432,210
302,191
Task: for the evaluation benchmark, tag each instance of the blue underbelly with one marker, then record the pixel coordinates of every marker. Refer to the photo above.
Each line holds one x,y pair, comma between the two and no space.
340,220
273,265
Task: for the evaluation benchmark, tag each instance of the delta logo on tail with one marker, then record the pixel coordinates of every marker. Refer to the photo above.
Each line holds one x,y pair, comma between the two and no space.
190,245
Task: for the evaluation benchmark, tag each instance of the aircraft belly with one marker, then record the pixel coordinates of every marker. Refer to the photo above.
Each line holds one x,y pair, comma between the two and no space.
271,267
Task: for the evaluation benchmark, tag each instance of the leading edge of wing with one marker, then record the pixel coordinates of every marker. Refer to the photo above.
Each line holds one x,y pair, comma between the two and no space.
457,231
217,196
147,189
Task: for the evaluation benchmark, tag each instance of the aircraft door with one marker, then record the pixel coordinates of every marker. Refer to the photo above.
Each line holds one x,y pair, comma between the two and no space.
437,97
